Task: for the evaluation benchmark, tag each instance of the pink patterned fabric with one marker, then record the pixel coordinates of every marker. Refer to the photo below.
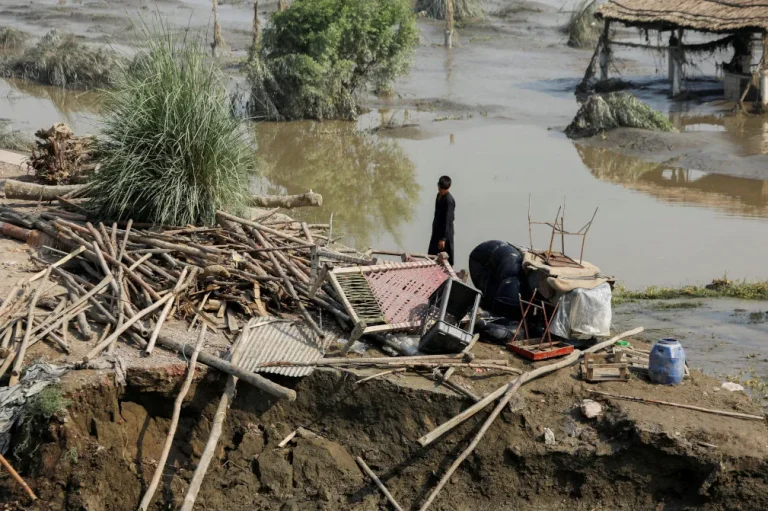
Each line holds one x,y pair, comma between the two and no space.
403,293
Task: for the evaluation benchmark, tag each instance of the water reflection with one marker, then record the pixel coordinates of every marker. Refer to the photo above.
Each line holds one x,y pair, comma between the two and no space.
30,106
368,182
734,195
747,133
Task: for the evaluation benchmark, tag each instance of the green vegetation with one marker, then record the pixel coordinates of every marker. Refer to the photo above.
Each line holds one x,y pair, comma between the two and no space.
36,415
12,139
62,61
171,151
318,55
664,306
583,29
616,110
720,288
11,39
462,9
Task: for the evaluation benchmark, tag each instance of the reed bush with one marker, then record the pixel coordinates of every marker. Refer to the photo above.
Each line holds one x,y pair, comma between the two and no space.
11,39
583,29
171,150
63,61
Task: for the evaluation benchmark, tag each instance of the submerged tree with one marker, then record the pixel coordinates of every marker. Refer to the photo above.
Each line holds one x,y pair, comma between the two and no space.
171,151
318,55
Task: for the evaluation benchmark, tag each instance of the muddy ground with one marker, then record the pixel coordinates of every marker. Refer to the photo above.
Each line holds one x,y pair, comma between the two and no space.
635,456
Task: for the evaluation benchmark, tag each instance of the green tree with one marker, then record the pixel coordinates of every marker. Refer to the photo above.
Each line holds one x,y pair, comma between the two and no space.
318,55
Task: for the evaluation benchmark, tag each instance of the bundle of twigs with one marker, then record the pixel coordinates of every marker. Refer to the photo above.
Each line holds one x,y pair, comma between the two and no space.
132,277
61,157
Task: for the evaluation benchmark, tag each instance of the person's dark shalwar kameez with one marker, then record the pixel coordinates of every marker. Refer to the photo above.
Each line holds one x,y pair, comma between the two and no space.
442,225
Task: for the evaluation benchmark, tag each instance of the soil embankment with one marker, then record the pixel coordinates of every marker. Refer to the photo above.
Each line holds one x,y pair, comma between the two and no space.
101,452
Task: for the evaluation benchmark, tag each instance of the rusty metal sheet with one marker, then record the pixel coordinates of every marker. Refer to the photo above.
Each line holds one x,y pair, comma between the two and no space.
275,340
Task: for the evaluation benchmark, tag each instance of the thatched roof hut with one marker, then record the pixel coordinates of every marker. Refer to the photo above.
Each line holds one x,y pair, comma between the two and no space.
740,20
702,15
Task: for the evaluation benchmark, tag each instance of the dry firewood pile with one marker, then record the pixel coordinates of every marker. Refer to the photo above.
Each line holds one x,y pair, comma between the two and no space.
61,157
131,278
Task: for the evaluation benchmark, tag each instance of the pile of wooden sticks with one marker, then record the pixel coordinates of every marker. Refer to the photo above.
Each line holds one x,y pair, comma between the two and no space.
131,278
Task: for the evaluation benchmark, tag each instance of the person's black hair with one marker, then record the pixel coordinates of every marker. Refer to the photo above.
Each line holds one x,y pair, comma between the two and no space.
444,182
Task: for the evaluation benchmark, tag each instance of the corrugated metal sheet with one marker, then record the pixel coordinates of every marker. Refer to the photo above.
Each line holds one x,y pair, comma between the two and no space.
274,340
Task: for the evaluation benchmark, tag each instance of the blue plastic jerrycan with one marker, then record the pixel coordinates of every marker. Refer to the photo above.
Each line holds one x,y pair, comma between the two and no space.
667,362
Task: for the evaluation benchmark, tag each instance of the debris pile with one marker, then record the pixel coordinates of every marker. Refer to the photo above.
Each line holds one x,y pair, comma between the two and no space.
616,110
60,157
123,276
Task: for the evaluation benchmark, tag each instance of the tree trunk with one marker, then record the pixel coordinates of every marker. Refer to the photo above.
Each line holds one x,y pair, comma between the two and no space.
33,191
287,201
218,41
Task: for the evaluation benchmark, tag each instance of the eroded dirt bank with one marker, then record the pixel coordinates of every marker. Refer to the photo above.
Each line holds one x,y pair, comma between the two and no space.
99,455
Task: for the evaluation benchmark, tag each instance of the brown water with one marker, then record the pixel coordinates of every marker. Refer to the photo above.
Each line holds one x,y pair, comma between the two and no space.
482,114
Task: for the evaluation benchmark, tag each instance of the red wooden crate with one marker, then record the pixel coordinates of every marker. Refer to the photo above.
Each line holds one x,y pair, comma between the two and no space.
530,349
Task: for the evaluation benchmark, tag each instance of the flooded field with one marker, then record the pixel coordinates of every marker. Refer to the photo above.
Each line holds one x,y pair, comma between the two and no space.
489,114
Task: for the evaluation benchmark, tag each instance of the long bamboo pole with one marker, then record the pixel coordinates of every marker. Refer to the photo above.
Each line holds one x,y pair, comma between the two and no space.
493,396
17,477
378,482
724,413
216,428
174,422
507,396
19,362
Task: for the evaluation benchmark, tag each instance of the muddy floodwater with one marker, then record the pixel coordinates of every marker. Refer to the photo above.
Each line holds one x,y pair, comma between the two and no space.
490,114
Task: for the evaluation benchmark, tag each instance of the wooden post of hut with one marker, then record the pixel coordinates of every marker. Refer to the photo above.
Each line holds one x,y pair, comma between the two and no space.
605,51
218,44
764,72
256,35
449,23
676,59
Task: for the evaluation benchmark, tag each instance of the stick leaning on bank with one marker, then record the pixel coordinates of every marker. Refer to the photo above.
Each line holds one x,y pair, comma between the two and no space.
507,392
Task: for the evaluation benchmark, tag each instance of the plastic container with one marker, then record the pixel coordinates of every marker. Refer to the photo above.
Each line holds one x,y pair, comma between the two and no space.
667,362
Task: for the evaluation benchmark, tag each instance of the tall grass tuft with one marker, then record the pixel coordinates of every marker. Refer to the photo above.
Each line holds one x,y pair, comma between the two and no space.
583,29
13,139
11,39
63,61
172,152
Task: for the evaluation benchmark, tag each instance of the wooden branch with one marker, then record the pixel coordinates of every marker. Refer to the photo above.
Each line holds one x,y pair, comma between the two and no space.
378,482
174,422
309,199
253,379
678,405
493,396
216,427
36,192
16,371
526,377
160,320
379,375
17,477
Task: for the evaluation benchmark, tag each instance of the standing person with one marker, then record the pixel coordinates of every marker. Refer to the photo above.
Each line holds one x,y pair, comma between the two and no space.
442,225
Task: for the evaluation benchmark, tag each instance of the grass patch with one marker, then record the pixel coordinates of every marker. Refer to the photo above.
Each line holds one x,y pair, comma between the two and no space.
63,61
583,28
720,288
36,414
664,306
13,139
171,150
11,39
616,110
